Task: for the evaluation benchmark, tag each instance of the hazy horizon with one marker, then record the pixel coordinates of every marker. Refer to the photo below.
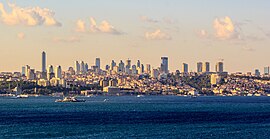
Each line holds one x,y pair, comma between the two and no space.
187,31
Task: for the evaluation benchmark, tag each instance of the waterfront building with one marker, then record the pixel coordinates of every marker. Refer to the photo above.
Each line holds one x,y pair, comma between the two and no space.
199,67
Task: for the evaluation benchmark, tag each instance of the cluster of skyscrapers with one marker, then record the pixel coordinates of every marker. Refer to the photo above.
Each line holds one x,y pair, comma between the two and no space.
81,67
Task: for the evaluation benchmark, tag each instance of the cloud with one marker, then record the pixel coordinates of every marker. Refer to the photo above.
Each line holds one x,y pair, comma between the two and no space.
157,35
148,19
21,35
104,27
248,49
80,26
30,16
67,40
225,28
202,33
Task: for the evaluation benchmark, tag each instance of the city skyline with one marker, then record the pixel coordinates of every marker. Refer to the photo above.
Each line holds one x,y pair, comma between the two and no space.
240,37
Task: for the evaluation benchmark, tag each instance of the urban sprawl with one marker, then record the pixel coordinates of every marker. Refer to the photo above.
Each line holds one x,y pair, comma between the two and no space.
137,79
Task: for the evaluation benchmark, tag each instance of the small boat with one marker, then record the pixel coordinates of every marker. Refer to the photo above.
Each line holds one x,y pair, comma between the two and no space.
193,96
140,96
22,96
70,99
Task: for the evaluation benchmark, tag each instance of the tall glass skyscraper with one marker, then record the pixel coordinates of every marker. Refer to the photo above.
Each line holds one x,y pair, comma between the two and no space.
165,64
43,62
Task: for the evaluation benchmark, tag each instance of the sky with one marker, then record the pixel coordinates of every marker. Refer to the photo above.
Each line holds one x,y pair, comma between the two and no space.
187,31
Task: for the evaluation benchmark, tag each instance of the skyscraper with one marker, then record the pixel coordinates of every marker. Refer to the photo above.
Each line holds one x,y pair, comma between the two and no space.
121,66
148,68
43,62
112,64
206,67
199,67
219,67
82,67
128,64
266,70
257,72
23,71
185,68
138,64
98,63
58,72
164,65
77,67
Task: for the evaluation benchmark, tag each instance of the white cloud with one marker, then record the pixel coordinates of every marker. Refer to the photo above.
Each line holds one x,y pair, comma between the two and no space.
148,19
29,16
157,35
71,39
225,28
104,27
21,35
202,33
80,26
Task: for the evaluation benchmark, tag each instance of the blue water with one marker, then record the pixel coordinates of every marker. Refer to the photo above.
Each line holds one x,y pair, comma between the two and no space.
131,117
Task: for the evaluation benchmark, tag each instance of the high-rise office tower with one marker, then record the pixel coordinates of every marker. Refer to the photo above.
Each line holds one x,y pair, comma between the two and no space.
134,69
121,66
112,64
43,62
50,72
27,68
86,67
148,68
77,67
128,63
164,65
82,67
23,71
199,67
98,63
142,68
219,67
206,67
184,68
58,72
138,64
266,70
257,72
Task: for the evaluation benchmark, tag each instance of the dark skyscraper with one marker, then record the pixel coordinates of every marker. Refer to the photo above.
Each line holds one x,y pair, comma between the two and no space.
165,65
43,62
